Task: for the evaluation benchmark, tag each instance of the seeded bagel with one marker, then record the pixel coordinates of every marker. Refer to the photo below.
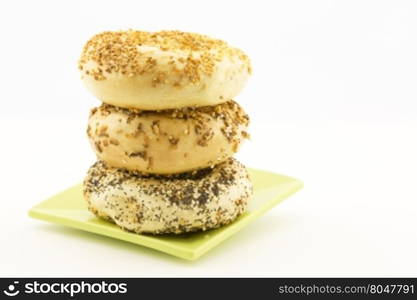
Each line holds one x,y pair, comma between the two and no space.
169,141
192,201
162,70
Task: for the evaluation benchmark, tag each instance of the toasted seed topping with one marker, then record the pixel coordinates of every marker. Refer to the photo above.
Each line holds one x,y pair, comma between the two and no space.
127,53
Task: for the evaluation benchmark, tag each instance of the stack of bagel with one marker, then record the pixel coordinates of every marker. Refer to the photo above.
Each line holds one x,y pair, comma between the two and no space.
166,130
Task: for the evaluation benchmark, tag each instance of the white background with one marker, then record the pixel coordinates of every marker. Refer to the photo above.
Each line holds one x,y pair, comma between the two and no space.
332,101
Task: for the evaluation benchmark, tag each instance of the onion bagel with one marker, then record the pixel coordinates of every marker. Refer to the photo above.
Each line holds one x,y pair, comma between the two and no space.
168,141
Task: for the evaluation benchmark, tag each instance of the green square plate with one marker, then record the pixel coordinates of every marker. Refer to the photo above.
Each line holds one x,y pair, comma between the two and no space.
69,208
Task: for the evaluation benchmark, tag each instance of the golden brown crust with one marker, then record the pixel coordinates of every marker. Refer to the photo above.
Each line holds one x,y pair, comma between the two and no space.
168,141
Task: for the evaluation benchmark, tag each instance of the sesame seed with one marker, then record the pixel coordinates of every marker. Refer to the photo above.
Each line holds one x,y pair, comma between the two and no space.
120,52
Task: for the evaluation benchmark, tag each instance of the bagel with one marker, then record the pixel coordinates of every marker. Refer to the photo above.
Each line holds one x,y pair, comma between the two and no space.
162,70
169,141
188,202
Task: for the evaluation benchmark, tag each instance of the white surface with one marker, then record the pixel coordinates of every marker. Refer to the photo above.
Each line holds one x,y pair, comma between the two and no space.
332,101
